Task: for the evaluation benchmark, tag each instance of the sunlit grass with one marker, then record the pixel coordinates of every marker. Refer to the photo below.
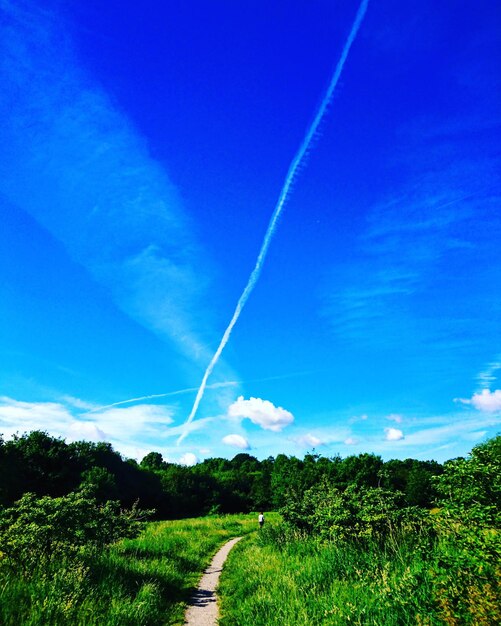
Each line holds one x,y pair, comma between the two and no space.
271,578
144,581
298,581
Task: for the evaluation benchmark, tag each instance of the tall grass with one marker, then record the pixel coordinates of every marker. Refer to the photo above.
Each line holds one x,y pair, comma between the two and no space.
281,578
138,582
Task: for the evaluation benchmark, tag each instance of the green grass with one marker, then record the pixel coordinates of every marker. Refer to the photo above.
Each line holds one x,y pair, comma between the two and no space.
272,580
140,582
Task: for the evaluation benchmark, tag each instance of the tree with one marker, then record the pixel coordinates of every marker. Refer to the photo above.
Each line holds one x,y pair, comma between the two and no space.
471,488
38,463
362,470
100,483
153,461
286,479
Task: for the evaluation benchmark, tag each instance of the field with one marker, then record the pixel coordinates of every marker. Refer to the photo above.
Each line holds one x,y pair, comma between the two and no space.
280,578
276,576
139,582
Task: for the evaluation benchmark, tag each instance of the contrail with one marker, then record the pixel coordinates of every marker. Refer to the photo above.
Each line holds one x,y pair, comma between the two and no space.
179,392
182,392
291,173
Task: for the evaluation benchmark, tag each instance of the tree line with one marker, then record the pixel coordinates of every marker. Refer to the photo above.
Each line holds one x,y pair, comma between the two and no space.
43,465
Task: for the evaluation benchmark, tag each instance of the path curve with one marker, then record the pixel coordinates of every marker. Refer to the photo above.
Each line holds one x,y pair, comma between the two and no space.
202,607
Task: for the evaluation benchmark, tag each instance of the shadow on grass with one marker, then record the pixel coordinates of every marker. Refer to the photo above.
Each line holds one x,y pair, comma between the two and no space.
115,572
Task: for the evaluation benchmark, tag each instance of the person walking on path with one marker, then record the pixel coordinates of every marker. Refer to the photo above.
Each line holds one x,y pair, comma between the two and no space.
261,519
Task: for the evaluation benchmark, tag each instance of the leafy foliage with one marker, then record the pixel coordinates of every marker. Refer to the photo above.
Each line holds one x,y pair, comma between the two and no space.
471,488
467,571
353,513
37,530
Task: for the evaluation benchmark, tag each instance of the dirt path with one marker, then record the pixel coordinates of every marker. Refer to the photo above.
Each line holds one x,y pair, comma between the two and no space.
202,608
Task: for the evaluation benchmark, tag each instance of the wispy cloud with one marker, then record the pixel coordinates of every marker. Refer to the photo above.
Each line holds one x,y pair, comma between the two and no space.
405,239
18,416
351,441
395,417
78,403
308,441
140,421
168,394
439,221
358,418
133,431
72,160
450,431
489,375
319,436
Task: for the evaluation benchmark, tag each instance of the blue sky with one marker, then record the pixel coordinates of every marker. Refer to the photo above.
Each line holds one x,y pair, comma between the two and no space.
142,152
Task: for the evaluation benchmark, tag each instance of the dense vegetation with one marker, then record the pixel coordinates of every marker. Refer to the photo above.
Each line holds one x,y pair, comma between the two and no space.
360,556
359,542
144,581
47,466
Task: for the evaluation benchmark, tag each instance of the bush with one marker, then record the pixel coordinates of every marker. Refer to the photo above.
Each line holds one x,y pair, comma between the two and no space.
352,513
470,489
35,531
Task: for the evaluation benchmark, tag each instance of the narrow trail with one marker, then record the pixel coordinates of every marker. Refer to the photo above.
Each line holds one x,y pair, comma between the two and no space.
202,607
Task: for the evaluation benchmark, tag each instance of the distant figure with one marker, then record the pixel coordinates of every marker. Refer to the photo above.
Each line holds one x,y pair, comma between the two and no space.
261,520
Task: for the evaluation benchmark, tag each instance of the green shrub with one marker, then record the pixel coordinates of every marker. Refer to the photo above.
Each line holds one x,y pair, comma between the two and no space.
36,531
470,489
352,513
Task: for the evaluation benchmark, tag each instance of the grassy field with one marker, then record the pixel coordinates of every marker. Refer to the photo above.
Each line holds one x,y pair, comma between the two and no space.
274,577
276,580
140,582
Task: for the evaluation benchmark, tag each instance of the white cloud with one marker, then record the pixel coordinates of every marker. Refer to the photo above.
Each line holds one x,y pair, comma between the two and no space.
136,417
394,417
237,441
309,441
261,412
488,401
77,403
351,441
17,416
393,434
127,429
188,459
144,419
